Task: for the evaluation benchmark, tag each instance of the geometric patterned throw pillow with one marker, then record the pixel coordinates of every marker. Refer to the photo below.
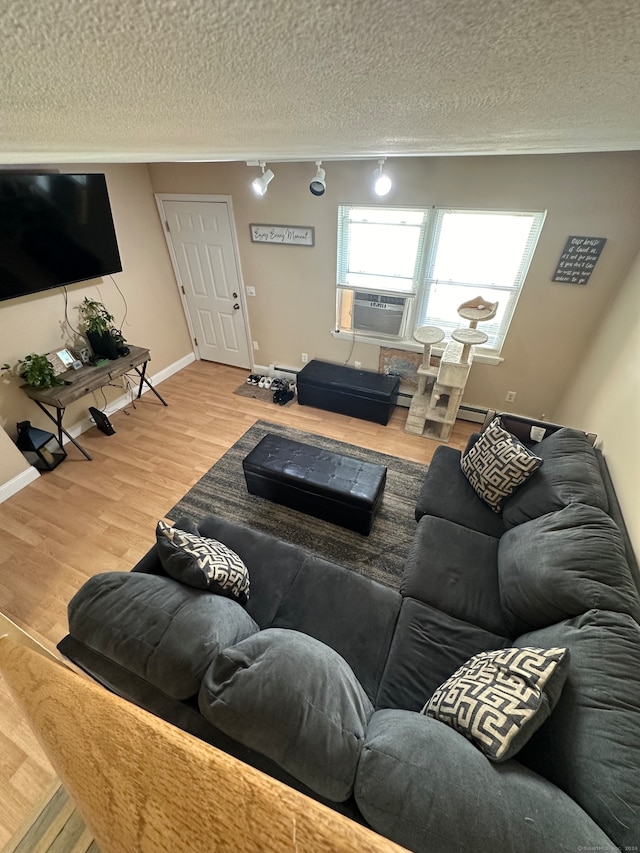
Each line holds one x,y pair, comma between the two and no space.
497,464
202,563
498,699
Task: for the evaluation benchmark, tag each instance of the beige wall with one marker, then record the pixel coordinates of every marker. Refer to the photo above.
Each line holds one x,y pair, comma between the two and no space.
294,309
154,311
555,325
12,462
605,394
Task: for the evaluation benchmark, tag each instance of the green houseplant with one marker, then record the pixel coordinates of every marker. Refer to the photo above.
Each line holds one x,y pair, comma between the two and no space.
98,324
36,370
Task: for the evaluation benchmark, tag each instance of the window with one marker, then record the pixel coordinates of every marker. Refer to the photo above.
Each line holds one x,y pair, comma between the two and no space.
430,261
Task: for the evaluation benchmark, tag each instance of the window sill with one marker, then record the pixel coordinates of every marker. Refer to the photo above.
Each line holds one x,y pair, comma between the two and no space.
411,346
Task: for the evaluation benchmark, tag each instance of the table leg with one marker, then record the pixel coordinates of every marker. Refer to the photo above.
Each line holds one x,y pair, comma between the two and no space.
58,422
145,381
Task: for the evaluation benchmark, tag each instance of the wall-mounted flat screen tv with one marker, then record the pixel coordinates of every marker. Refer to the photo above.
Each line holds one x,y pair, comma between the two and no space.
54,229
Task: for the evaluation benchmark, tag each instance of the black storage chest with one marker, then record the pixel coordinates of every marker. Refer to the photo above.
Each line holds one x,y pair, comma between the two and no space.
357,393
337,488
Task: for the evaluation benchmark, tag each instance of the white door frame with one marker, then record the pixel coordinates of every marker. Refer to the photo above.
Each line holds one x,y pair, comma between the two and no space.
225,199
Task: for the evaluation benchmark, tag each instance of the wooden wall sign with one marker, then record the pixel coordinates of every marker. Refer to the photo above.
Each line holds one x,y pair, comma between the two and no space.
288,235
578,259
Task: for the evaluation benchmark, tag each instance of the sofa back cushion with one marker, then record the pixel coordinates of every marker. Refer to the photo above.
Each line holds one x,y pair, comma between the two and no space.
295,700
428,646
272,564
349,612
561,565
156,628
446,493
590,745
497,465
570,474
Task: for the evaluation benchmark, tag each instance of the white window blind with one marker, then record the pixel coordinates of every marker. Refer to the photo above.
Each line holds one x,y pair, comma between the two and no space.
477,253
380,248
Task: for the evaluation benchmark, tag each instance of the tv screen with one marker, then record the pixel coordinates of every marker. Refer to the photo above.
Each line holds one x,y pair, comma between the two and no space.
54,230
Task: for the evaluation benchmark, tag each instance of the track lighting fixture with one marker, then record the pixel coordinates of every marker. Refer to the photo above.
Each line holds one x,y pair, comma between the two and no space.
381,182
261,183
318,185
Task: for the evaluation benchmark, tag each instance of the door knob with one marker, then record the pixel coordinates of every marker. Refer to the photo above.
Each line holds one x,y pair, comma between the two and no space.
236,307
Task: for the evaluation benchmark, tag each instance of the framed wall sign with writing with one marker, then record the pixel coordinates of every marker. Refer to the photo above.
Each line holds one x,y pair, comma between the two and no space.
578,259
287,235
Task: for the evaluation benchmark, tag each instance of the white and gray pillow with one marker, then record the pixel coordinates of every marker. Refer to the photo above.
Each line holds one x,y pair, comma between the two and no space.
498,699
497,464
202,562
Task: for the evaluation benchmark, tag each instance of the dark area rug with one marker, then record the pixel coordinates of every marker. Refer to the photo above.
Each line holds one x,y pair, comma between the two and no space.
381,555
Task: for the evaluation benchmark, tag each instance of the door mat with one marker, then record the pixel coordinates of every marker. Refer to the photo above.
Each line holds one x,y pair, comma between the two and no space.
264,394
381,555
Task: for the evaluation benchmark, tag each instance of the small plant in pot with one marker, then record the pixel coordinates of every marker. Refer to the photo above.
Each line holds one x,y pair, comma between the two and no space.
36,370
98,325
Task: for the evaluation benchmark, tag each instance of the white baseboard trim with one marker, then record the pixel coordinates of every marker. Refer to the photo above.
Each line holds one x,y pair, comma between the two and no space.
20,482
125,399
16,484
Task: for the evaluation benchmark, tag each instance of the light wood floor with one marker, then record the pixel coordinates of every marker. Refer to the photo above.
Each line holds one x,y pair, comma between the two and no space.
89,517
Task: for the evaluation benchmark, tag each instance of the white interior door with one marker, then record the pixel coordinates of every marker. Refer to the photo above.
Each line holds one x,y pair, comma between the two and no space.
201,243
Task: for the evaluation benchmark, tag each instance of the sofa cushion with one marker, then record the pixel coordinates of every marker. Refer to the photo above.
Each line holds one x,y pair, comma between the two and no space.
156,628
202,562
561,565
423,786
455,569
295,700
570,474
590,745
427,647
344,610
498,699
497,464
273,564
446,493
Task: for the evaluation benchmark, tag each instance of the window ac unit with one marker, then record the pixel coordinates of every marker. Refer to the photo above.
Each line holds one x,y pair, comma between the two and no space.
379,315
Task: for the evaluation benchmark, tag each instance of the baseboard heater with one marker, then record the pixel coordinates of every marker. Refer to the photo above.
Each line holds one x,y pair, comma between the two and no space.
476,414
283,372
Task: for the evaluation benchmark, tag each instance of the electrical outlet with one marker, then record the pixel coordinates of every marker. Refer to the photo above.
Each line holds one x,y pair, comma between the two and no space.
251,291
255,345
305,358
510,397
358,365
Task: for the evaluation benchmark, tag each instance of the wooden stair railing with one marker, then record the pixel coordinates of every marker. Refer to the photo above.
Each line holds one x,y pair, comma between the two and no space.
144,786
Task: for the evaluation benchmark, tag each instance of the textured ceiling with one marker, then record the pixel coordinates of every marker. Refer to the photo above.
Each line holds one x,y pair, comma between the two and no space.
150,80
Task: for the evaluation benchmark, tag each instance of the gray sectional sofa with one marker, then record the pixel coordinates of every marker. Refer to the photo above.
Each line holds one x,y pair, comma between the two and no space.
321,678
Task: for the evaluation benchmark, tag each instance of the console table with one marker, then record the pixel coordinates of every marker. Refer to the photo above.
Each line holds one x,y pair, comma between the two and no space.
88,378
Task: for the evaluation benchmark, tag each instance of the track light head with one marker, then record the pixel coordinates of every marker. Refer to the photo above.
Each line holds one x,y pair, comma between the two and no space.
261,183
381,183
318,185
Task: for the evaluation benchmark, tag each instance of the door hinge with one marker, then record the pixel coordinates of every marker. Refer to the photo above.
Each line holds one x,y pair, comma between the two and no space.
182,289
195,340
167,226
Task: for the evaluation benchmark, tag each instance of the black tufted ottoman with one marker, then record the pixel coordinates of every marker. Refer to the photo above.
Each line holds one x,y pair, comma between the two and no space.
336,488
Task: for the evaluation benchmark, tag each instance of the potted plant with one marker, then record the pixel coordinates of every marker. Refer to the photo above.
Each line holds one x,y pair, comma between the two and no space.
98,325
36,370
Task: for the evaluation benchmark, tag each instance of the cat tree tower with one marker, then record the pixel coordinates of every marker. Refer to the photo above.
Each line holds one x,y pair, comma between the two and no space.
435,404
